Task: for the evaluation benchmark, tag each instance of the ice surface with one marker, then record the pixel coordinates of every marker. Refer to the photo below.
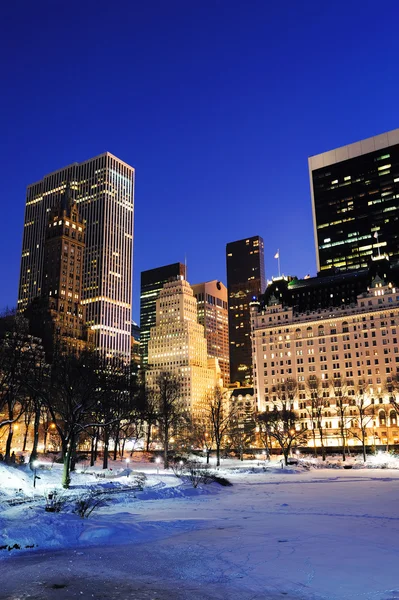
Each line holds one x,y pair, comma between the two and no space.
280,533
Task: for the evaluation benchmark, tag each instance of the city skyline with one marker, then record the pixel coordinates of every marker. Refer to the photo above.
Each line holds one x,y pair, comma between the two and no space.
172,123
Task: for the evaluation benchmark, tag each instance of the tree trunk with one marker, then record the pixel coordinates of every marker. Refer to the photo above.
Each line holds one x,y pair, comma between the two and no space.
323,450
286,453
364,446
36,423
74,458
208,453
343,442
7,455
218,455
92,460
106,444
116,442
314,440
148,441
96,447
123,448
25,436
166,448
66,473
45,433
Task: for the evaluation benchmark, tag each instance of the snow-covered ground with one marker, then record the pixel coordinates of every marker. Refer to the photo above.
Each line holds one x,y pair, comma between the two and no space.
296,533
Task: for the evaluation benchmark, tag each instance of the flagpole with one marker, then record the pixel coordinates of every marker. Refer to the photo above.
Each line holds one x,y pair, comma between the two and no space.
279,272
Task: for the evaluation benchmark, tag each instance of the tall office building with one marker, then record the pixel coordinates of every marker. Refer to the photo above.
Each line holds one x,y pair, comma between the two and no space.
213,315
355,201
245,281
177,345
58,316
104,192
152,282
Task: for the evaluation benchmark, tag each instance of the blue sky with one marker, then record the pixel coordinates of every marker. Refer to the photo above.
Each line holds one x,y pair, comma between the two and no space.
216,103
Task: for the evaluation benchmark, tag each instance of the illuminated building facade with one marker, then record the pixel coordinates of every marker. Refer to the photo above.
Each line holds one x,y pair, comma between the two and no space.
58,315
213,315
347,353
152,282
177,345
245,281
104,193
355,202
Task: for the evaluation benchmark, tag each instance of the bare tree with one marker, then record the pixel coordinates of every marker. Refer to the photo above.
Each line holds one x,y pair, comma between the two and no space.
263,433
73,399
241,434
315,409
19,353
220,413
339,386
365,415
282,422
170,409
202,435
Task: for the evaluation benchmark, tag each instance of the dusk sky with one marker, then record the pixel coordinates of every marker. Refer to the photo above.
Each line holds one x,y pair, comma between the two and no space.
216,103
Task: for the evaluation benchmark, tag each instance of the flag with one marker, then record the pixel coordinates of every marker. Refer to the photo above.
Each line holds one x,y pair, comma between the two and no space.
376,234
277,255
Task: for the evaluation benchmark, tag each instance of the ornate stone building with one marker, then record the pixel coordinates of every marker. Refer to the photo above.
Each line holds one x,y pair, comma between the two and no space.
344,359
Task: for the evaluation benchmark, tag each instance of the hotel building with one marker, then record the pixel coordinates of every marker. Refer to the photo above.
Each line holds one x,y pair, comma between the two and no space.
355,202
213,315
104,195
349,350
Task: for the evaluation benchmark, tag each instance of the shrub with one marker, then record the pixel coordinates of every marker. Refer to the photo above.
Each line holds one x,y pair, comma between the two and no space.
54,501
85,505
178,465
139,480
198,473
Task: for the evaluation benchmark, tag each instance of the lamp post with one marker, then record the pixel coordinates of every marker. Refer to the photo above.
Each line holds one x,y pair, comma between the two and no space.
157,460
35,464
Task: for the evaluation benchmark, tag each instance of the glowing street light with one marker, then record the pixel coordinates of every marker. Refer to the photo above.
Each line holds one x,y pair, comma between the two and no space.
157,460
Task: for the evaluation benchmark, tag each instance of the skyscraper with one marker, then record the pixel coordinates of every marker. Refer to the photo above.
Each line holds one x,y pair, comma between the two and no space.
355,201
152,282
104,191
213,315
245,280
58,316
177,345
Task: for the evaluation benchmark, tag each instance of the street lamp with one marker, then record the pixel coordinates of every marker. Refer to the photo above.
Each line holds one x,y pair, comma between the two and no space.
127,461
35,465
157,460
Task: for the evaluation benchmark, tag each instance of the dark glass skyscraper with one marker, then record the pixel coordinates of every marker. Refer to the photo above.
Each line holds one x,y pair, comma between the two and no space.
245,280
355,201
152,282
